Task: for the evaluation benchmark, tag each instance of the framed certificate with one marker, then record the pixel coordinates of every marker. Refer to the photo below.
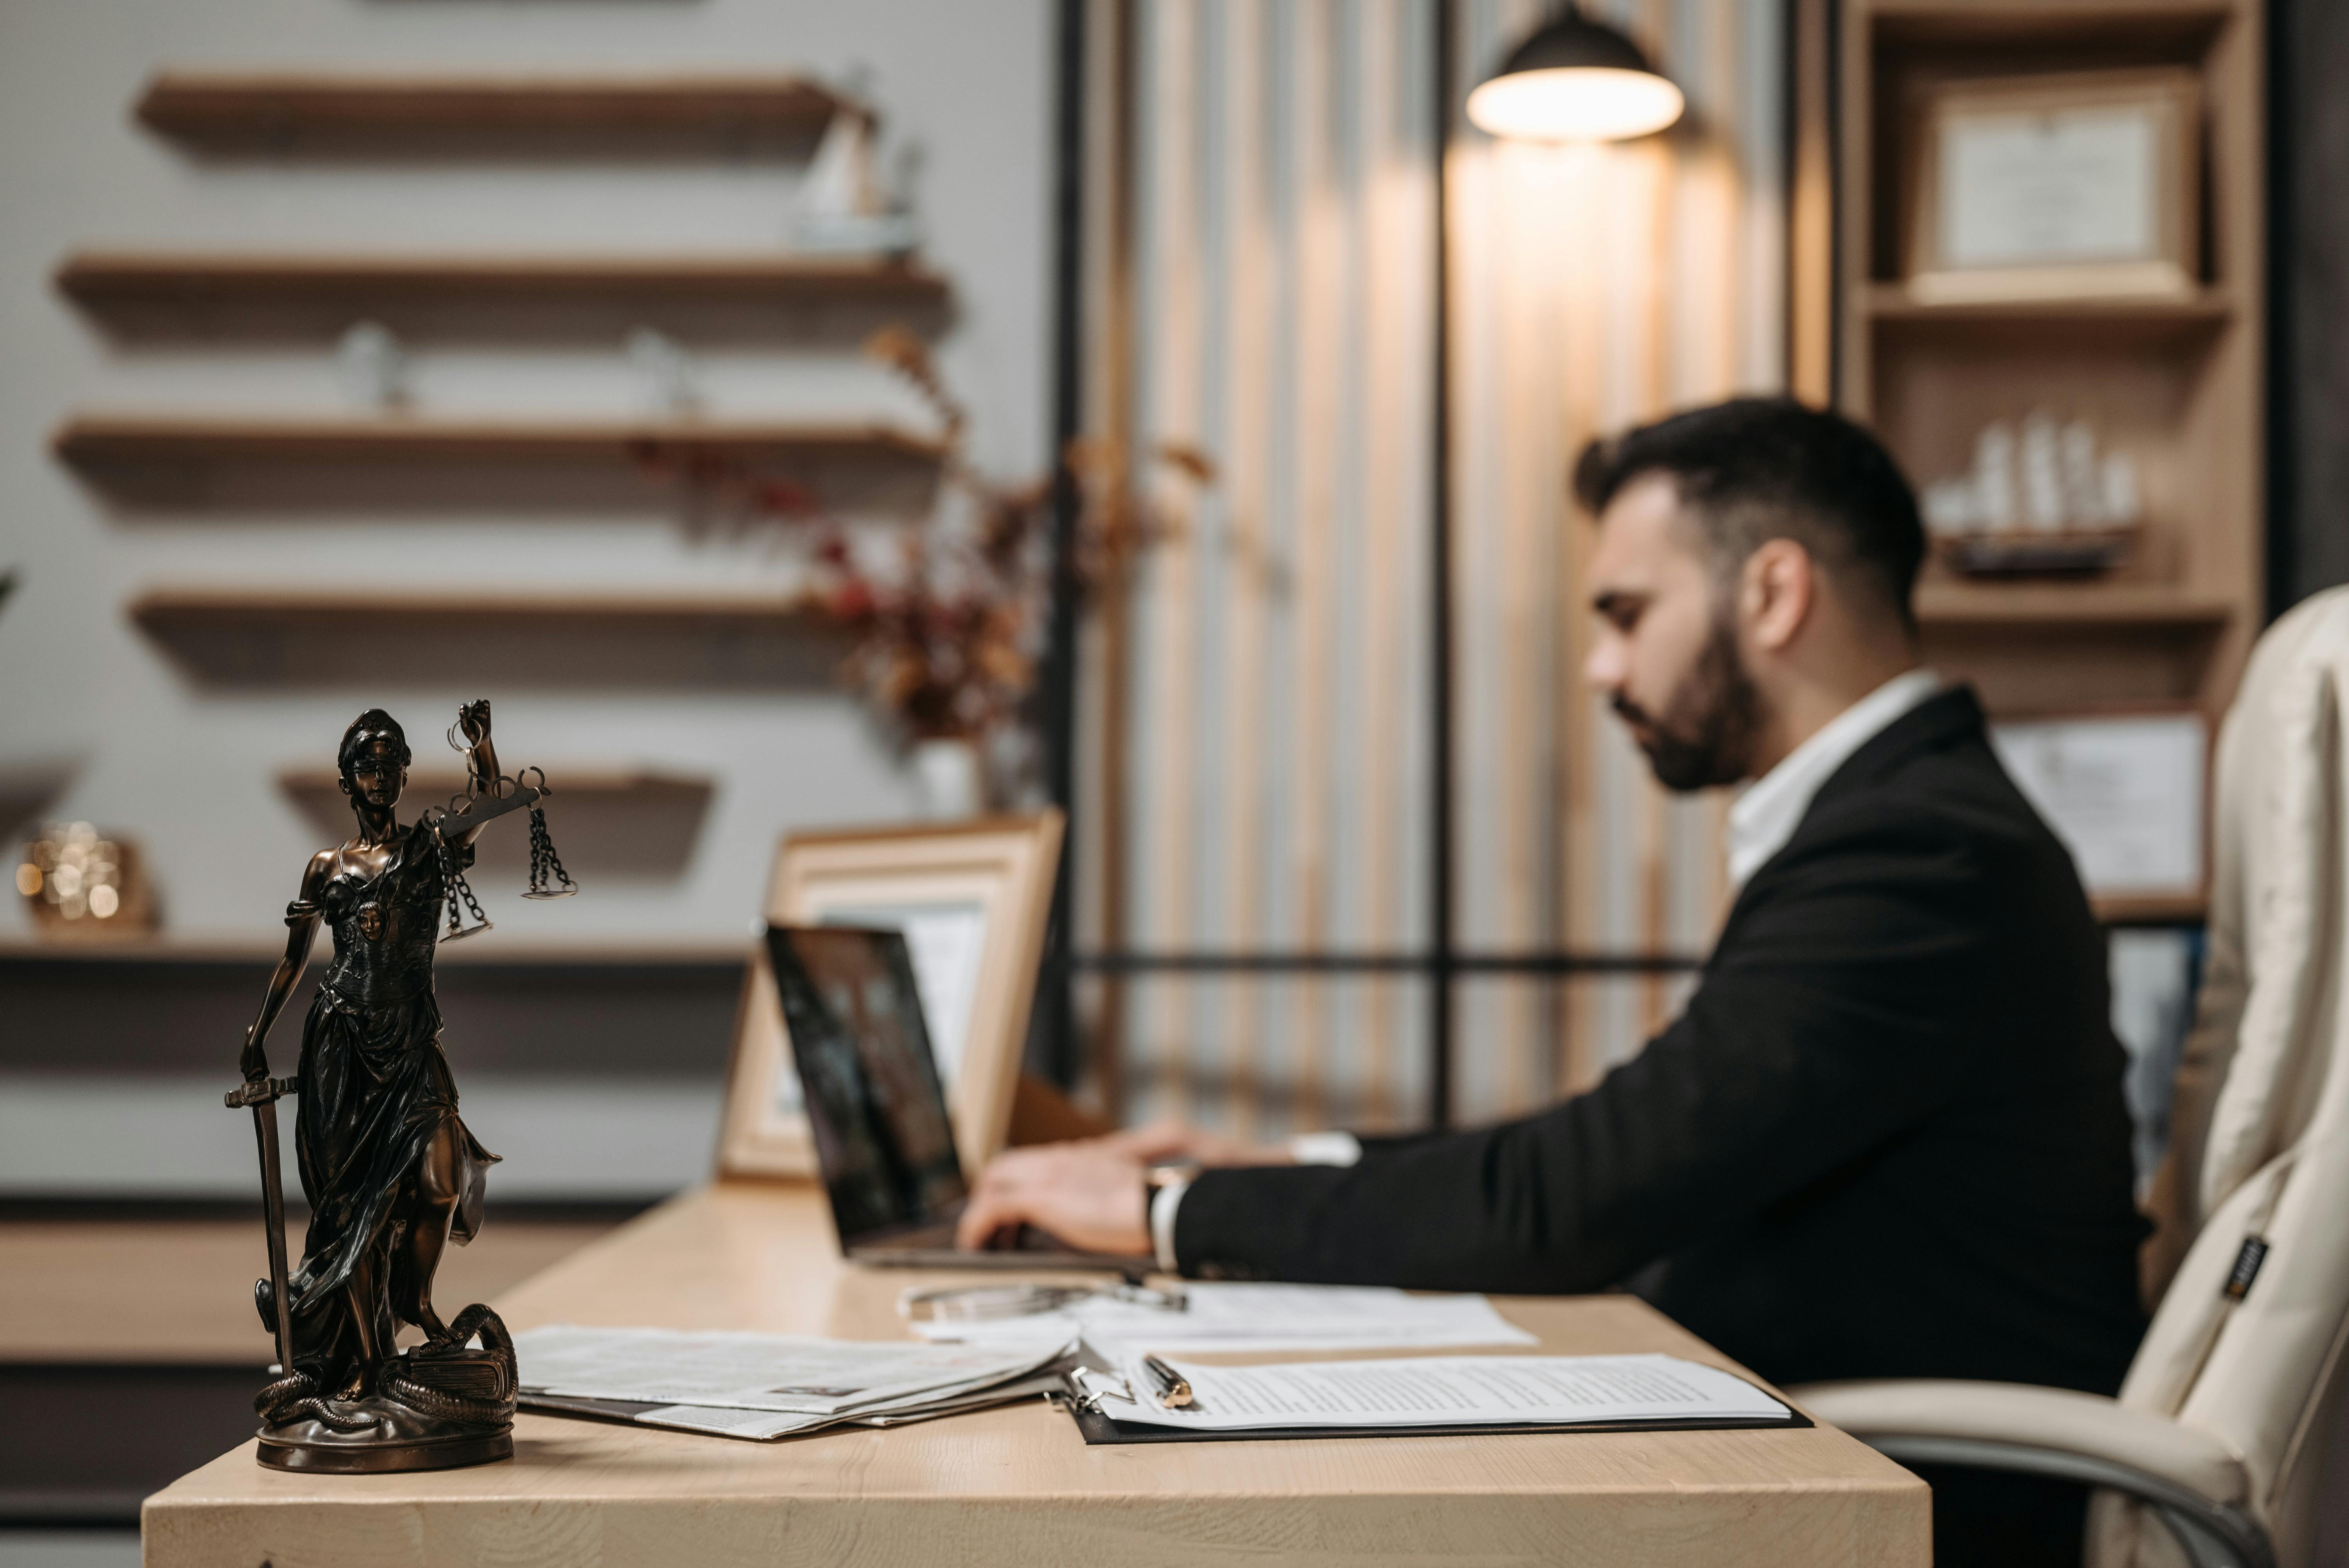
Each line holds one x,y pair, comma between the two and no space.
2055,187
2125,791
972,900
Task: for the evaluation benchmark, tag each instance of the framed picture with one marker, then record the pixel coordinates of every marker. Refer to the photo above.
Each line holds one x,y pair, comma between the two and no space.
972,900
2125,789
2054,187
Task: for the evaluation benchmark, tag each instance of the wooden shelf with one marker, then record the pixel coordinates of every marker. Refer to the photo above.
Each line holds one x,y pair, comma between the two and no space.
2115,607
2133,909
513,641
102,279
264,106
608,821
1889,308
2122,28
100,439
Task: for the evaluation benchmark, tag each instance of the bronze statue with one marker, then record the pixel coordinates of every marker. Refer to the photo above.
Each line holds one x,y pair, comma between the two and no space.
391,1172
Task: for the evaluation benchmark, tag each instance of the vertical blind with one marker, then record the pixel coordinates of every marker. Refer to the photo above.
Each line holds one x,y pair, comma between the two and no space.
1258,703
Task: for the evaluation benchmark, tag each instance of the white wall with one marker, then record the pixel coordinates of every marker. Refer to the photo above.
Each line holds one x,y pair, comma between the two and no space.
189,770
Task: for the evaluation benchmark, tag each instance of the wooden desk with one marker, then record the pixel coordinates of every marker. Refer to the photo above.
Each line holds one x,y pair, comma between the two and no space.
1016,1485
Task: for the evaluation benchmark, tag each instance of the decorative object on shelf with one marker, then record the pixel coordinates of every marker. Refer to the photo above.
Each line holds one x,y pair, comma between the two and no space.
373,367
2055,187
2039,501
843,207
80,886
391,1174
2124,789
664,369
947,769
972,900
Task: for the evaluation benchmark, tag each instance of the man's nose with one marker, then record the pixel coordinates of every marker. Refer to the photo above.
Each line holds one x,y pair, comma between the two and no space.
1602,667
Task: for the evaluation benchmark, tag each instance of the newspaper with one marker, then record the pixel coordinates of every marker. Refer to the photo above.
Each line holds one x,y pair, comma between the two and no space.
1437,1391
764,1426
1254,1317
789,1374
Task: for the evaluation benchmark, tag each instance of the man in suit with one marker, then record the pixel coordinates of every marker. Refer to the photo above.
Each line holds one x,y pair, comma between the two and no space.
1886,1137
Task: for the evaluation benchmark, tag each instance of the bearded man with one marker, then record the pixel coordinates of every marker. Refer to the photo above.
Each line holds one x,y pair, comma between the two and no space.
1885,1138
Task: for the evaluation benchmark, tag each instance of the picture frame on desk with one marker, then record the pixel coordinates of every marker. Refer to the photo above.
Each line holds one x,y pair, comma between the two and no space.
973,900
2126,788
2080,186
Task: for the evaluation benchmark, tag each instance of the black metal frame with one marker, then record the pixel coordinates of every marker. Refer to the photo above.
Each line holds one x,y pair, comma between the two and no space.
1052,1042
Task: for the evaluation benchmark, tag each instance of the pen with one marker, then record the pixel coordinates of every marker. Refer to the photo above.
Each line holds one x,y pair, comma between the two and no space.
1173,1389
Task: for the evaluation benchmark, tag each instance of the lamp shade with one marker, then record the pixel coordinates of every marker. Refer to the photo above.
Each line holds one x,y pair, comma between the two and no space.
1575,80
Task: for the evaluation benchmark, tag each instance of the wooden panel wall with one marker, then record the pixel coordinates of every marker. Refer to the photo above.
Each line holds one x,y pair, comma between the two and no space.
1269,749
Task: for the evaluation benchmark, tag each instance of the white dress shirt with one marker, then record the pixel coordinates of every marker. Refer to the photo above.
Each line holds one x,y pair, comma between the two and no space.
1764,817
1759,822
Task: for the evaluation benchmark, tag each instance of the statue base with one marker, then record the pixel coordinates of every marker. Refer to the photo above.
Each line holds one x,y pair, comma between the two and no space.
399,1441
437,1407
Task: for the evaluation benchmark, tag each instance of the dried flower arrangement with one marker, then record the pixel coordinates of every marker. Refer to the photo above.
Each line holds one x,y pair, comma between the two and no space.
947,626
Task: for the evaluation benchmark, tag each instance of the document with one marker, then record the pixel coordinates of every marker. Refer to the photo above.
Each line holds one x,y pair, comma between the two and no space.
1438,1391
1254,1318
764,1426
793,1374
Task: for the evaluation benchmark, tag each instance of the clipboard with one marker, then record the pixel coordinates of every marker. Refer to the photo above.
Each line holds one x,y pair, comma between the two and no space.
1098,1429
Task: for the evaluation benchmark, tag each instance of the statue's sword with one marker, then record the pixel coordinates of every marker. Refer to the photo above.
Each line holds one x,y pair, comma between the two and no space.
262,1094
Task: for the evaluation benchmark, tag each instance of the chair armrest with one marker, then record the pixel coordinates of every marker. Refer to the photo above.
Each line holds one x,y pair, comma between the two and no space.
2191,1481
2018,1413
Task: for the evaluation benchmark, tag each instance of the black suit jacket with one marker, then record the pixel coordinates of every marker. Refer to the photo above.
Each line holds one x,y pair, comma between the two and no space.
1886,1139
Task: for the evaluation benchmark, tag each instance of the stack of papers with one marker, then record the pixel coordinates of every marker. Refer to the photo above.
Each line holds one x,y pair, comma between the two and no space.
1439,1391
1254,1318
763,1386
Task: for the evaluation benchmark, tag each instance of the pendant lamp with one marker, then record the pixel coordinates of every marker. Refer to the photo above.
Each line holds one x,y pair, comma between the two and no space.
1574,80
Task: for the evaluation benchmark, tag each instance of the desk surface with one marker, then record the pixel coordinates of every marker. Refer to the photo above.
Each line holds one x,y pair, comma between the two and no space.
1018,1485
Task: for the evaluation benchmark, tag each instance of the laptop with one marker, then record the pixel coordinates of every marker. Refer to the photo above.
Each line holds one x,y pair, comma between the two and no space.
878,1112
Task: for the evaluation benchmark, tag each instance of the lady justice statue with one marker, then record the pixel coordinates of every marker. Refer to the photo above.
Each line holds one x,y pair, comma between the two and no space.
390,1170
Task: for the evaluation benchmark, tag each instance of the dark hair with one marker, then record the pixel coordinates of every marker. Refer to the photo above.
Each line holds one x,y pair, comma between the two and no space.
371,725
1756,468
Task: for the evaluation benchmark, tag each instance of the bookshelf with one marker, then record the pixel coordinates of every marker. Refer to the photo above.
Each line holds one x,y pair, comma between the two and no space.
2174,382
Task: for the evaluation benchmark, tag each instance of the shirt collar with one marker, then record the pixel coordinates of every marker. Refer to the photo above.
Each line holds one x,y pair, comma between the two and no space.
1766,816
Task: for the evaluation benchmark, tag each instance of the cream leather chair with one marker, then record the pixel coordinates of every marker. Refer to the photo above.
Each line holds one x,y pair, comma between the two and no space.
2215,1451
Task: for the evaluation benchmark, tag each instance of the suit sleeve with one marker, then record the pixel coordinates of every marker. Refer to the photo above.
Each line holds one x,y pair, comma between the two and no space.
1835,1013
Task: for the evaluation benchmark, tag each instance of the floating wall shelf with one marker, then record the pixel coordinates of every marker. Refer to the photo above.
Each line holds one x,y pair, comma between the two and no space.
99,440
230,106
588,640
606,821
101,279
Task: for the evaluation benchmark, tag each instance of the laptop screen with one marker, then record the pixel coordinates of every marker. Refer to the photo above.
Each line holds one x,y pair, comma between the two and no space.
873,1102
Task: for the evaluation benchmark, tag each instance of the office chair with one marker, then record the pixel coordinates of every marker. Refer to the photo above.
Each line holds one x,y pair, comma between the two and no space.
2215,1451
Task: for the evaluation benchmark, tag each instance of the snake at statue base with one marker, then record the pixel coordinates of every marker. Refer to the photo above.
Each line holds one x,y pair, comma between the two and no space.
485,1399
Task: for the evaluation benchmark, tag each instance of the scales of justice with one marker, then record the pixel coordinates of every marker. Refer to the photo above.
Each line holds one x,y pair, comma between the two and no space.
391,1172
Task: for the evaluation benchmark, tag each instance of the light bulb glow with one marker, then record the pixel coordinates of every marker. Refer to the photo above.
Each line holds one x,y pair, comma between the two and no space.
1578,103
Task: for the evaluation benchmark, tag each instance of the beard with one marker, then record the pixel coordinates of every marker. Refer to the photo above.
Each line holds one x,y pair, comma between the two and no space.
1704,737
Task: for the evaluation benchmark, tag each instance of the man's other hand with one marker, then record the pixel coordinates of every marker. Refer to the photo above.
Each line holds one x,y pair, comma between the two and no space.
1087,1196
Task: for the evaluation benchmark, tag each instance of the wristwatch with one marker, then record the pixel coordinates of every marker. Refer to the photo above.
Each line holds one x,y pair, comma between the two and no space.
1156,1179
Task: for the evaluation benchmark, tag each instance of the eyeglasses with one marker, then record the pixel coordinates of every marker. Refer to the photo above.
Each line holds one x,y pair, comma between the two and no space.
988,1303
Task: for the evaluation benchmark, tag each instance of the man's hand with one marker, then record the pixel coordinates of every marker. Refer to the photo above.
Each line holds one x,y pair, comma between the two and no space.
1170,1142
1088,1195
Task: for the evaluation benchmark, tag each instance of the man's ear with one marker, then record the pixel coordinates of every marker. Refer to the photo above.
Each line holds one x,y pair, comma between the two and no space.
1776,591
